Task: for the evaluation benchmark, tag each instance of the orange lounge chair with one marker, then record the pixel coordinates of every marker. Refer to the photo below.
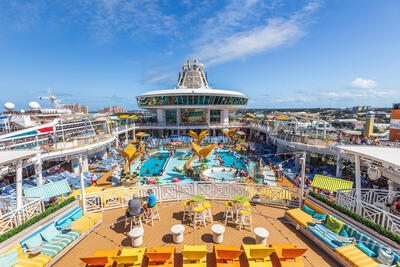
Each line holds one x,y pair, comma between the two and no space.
161,256
227,256
288,255
101,258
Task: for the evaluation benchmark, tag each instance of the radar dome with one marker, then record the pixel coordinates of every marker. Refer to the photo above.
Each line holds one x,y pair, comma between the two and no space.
34,105
9,106
22,110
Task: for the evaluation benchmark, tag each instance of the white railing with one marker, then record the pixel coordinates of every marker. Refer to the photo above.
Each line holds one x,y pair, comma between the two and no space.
372,207
34,206
264,194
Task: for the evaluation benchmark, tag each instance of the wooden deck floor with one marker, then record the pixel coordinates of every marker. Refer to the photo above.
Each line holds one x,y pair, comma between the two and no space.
109,236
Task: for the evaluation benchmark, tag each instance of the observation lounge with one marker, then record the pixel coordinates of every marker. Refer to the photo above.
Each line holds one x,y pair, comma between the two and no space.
193,104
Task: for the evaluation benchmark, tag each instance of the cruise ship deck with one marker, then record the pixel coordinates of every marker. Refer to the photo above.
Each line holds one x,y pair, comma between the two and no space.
111,235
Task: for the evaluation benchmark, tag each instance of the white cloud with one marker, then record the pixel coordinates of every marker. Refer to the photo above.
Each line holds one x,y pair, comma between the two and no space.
361,83
240,30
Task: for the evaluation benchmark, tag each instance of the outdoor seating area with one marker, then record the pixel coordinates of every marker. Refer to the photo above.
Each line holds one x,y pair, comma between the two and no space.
348,243
52,241
196,246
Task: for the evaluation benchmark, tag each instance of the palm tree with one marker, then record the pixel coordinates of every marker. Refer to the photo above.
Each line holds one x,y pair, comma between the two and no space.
129,153
198,137
204,152
230,133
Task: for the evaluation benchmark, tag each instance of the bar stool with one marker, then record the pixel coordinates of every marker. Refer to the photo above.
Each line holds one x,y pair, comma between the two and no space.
198,216
135,220
207,212
243,215
228,212
154,213
187,209
246,205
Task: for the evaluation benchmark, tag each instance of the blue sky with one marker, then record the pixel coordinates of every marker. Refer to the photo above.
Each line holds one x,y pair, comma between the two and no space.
281,53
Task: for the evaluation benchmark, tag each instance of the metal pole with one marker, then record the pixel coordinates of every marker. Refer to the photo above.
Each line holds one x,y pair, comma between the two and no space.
358,183
38,169
82,178
303,171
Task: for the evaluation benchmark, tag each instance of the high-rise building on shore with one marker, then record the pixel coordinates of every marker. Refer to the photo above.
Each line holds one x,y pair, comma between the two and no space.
113,109
78,108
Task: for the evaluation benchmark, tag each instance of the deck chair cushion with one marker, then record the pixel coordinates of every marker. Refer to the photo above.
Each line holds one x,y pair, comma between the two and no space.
334,224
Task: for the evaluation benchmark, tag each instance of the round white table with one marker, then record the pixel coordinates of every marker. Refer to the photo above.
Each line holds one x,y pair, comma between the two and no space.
177,231
218,233
136,236
261,235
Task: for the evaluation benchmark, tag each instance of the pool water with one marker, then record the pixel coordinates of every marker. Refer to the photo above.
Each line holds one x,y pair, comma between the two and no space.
233,160
154,165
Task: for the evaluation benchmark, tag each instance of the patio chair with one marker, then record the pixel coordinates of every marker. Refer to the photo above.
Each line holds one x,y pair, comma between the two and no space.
135,220
153,213
227,256
161,256
199,216
228,212
194,256
187,210
288,255
207,212
243,215
101,258
258,255
129,257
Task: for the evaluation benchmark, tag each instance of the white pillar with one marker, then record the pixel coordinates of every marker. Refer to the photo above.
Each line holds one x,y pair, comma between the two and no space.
160,116
303,170
339,164
208,116
84,166
38,169
18,182
225,116
391,188
358,183
75,165
82,178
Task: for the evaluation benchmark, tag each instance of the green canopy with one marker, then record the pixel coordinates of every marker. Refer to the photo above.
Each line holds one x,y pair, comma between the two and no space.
48,190
330,183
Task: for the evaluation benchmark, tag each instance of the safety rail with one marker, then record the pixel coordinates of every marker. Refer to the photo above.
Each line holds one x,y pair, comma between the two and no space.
372,207
262,194
32,207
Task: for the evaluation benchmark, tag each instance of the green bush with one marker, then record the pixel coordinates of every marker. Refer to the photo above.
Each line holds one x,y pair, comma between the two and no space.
374,226
34,220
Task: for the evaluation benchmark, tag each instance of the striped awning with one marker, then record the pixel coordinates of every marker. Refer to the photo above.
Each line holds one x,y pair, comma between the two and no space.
48,190
330,183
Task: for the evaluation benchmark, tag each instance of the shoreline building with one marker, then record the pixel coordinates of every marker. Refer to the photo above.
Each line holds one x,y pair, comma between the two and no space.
193,104
394,132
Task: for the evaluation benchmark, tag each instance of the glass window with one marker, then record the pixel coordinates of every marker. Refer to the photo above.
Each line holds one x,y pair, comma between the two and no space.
215,116
170,116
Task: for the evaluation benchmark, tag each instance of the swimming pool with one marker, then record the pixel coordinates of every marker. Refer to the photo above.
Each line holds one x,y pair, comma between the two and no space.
154,165
173,166
221,173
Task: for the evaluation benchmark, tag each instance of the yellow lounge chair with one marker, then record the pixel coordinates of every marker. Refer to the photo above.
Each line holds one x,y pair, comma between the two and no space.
161,256
101,258
289,255
227,256
301,217
129,257
194,256
258,255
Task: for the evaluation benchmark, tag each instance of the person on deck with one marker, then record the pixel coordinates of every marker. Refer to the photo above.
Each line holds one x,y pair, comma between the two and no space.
151,200
135,207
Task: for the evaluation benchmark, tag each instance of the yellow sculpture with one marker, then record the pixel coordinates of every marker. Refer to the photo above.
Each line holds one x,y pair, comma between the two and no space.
230,133
198,137
129,153
204,152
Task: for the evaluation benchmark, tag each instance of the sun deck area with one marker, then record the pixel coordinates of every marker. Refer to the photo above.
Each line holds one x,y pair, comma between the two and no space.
111,234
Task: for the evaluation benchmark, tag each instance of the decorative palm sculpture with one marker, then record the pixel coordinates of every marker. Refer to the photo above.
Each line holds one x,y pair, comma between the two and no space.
230,134
204,152
198,137
129,153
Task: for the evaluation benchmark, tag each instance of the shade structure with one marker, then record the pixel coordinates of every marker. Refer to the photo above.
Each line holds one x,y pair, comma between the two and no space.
134,117
124,116
330,183
101,119
48,190
282,118
142,134
241,133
